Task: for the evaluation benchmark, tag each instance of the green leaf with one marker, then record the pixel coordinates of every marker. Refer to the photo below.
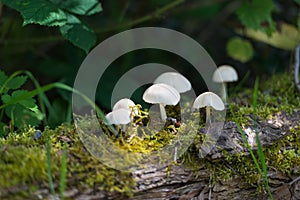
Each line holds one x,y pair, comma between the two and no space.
26,102
5,98
41,12
297,1
3,78
298,22
16,82
78,33
22,116
239,49
79,7
253,13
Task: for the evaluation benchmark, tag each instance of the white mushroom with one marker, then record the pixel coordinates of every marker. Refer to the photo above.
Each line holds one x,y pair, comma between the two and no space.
209,100
119,117
174,79
224,74
161,94
126,104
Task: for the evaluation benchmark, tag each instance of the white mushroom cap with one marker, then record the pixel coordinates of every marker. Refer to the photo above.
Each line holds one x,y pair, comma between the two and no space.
125,104
161,94
176,80
119,116
225,73
209,99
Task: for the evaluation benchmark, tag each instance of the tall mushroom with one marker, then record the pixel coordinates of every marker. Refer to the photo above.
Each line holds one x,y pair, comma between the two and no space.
161,94
177,81
209,100
174,79
119,117
224,74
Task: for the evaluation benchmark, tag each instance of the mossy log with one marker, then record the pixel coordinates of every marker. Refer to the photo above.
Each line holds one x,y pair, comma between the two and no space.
204,179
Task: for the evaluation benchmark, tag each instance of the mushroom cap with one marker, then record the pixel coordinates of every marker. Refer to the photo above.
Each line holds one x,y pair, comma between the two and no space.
176,80
225,73
209,99
126,104
161,93
119,116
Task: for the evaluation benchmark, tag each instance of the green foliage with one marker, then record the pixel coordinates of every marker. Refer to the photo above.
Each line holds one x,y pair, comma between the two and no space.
23,111
255,12
77,32
60,13
239,49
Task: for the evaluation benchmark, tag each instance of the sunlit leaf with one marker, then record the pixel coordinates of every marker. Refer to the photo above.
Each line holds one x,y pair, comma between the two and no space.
41,12
78,33
239,49
286,37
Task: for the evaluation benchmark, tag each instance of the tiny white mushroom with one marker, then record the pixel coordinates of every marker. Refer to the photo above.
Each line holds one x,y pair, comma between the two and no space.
119,117
209,100
176,80
224,74
161,94
126,104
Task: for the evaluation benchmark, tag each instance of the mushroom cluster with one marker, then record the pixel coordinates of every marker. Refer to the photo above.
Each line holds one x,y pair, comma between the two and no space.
122,113
166,91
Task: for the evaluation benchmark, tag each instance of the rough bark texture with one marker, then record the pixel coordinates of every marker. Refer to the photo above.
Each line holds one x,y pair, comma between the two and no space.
181,182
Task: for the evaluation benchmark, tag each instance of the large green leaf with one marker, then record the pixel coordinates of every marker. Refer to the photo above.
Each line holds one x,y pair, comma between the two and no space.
78,33
41,12
239,49
297,1
79,7
253,13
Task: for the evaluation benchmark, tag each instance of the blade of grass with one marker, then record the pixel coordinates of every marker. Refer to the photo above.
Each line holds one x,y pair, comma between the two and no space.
261,155
48,154
43,100
63,173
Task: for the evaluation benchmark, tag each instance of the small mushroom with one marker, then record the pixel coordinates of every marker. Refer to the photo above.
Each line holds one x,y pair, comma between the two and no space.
224,74
161,94
126,104
209,100
119,117
176,80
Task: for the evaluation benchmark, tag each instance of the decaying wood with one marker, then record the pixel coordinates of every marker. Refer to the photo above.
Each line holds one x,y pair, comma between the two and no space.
184,183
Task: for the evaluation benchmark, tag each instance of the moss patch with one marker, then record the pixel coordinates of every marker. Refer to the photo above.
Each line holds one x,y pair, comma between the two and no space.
23,155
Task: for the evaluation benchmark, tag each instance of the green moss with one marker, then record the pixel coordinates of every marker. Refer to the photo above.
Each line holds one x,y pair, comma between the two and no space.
23,158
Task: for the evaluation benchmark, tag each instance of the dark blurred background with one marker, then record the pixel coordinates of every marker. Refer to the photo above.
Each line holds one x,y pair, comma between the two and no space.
44,52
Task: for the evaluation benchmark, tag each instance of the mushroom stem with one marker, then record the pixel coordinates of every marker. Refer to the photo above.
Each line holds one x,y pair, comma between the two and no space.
163,113
208,114
124,127
224,92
